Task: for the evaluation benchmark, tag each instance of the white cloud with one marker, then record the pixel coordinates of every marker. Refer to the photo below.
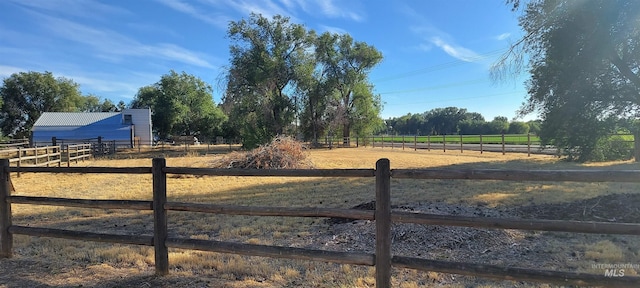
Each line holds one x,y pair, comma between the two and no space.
85,9
331,9
456,51
333,30
502,36
217,20
6,71
114,46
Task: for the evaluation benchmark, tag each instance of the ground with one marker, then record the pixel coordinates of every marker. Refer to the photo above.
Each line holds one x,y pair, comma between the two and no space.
46,262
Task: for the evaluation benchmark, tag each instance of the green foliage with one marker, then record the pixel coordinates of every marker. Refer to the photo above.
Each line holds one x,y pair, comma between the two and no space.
453,120
583,65
517,127
346,64
94,103
26,95
182,104
277,81
264,57
612,148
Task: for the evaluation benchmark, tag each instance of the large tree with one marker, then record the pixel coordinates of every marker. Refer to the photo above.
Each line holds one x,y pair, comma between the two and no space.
262,77
584,65
347,64
27,94
182,104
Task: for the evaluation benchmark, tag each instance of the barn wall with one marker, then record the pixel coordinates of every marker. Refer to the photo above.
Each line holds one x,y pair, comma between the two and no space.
109,129
141,119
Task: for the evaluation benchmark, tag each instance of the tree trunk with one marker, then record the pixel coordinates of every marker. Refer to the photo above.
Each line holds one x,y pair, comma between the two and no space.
346,141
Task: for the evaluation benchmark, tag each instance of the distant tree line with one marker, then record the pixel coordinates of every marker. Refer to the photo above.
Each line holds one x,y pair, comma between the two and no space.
454,120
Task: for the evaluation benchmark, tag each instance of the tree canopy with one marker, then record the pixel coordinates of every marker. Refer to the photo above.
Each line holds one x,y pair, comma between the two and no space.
284,77
263,75
182,104
583,61
25,95
454,120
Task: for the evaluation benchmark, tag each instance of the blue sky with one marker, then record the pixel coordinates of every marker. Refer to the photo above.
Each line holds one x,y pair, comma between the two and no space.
436,53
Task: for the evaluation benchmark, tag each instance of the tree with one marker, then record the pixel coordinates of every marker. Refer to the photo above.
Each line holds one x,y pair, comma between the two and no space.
92,103
442,121
182,104
25,95
262,77
314,93
498,125
583,64
518,127
348,64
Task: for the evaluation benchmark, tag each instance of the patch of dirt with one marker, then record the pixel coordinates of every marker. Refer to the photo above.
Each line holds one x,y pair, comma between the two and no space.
609,208
509,248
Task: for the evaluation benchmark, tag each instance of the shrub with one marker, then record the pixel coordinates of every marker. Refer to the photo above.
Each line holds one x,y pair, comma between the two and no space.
611,149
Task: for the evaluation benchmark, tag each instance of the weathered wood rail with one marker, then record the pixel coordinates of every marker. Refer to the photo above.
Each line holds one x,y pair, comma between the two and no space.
77,152
37,156
383,259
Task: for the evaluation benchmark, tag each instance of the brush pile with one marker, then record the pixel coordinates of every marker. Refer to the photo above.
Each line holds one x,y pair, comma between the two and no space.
281,153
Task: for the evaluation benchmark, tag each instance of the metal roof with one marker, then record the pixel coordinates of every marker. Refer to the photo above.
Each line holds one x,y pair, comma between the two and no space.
48,119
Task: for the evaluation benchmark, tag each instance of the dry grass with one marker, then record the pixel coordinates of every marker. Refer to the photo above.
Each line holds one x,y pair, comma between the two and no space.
64,262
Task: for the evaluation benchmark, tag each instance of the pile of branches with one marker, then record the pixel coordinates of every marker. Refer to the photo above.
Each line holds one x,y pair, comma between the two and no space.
281,153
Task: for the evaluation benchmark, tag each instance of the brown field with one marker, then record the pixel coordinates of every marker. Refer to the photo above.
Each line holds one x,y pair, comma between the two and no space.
47,262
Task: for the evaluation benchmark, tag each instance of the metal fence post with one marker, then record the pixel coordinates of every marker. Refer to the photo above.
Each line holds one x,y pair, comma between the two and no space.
6,238
160,230
383,223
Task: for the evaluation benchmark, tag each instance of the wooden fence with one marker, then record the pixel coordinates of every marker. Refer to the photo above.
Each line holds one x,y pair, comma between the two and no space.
78,152
47,156
383,260
38,156
14,143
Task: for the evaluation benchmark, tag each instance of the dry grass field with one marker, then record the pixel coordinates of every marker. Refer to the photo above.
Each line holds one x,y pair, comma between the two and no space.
48,262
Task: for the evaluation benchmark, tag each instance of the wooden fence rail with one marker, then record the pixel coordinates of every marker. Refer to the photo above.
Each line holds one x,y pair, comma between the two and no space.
78,152
383,260
37,156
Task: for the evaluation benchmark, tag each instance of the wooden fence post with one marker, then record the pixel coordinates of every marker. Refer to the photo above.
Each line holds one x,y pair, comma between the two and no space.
480,143
403,142
528,144
444,142
636,145
6,238
383,223
160,230
19,159
460,143
503,152
429,142
415,142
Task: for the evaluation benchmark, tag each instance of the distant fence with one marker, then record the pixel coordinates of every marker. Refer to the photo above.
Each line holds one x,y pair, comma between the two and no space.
39,156
504,143
78,152
382,259
14,143
47,155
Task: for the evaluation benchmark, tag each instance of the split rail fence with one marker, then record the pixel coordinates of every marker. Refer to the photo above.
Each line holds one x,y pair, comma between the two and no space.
47,155
382,259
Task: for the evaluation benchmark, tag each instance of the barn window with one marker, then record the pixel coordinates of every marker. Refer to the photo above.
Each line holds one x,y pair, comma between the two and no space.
127,119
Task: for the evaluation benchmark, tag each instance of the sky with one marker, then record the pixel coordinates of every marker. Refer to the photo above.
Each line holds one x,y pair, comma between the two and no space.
436,53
